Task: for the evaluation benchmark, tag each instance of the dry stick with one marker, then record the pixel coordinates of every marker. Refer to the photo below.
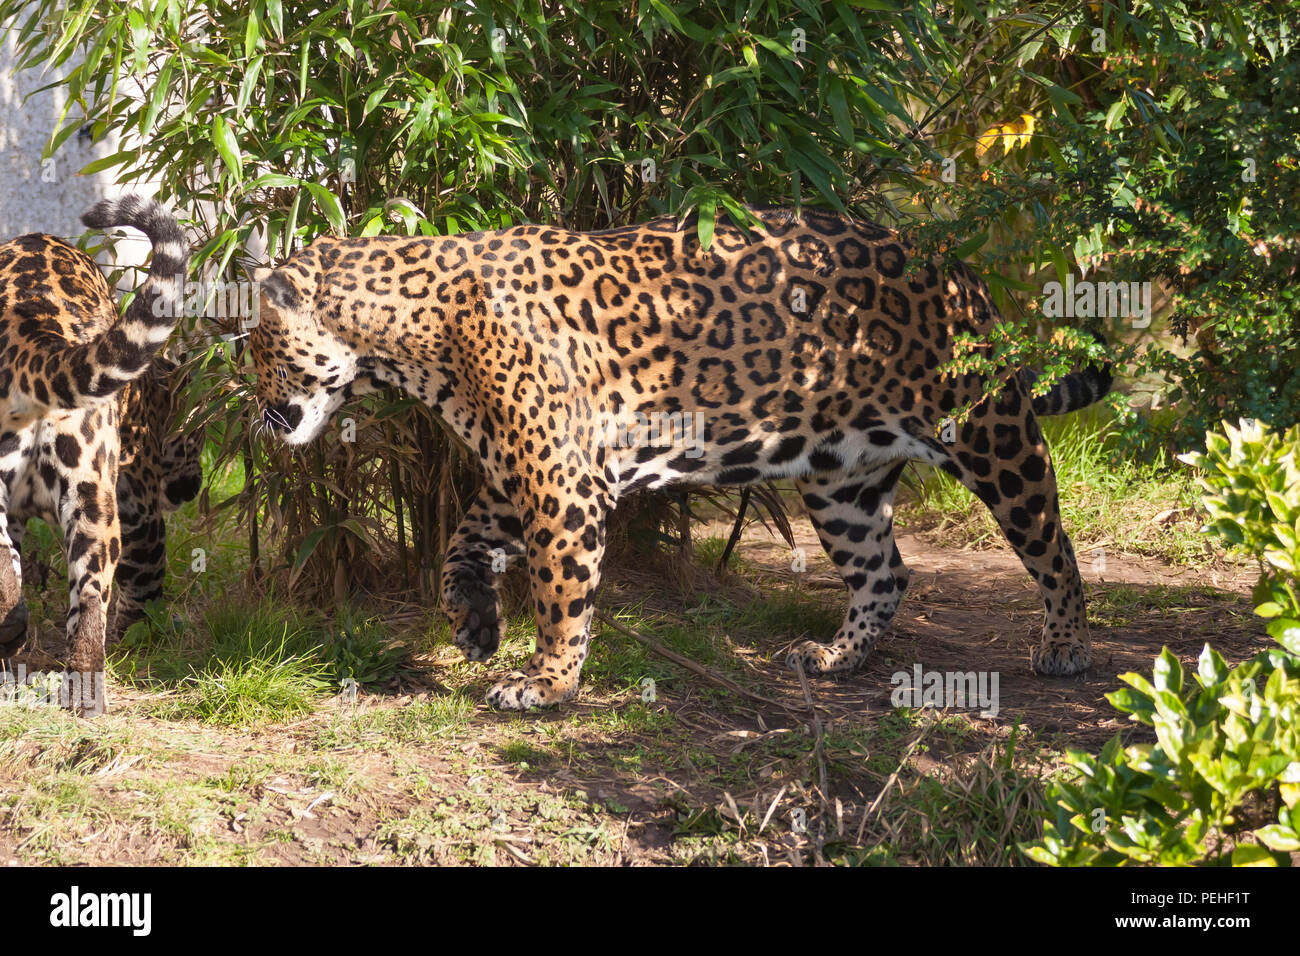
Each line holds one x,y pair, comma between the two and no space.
690,665
399,506
818,749
772,808
817,724
735,811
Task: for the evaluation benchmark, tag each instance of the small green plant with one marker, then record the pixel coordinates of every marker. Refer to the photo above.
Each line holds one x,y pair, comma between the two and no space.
362,652
247,663
1221,784
158,625
709,551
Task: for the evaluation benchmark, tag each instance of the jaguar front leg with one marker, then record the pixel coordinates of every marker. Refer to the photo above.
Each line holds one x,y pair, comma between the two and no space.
487,540
565,536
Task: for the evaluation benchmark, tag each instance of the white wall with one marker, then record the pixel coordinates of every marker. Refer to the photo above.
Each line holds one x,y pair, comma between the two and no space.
36,196
50,196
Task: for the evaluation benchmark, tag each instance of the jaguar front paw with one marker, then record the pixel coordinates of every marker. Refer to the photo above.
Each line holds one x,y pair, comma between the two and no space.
1061,658
477,624
825,658
520,691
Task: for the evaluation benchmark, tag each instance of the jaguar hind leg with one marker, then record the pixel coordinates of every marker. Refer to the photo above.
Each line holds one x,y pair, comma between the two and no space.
142,567
854,517
1002,457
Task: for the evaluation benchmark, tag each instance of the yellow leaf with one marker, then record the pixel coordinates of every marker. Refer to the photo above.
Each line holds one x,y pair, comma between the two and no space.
988,139
1009,136
1016,133
1027,123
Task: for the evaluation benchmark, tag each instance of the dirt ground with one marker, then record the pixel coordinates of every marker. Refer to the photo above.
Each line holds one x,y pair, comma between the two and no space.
424,773
979,610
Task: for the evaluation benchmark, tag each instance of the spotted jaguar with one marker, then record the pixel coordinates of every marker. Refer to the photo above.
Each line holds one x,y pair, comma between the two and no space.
810,347
86,409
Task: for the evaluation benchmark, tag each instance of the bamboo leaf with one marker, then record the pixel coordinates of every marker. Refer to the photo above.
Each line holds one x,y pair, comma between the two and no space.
223,138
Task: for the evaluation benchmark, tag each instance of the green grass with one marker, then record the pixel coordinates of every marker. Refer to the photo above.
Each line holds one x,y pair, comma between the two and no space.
524,755
709,549
974,814
621,666
969,804
422,721
268,686
1118,605
789,614
52,740
242,665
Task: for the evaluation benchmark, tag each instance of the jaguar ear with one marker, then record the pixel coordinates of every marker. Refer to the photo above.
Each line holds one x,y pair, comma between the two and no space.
275,286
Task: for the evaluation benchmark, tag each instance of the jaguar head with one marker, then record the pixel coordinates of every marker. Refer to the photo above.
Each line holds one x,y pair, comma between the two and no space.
304,369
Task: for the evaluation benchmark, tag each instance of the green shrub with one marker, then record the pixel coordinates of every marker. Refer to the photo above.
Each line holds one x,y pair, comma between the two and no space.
361,651
1221,784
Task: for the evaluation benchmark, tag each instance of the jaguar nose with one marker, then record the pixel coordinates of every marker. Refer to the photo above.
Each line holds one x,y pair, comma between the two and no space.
282,416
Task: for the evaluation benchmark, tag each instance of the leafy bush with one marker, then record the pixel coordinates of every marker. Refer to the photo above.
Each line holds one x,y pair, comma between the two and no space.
1159,147
1222,781
1182,172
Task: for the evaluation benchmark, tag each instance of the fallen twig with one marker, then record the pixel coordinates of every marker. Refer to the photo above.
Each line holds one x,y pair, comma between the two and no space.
693,666
820,751
772,809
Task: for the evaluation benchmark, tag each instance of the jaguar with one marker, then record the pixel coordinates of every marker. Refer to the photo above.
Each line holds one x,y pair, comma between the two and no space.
808,346
87,402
